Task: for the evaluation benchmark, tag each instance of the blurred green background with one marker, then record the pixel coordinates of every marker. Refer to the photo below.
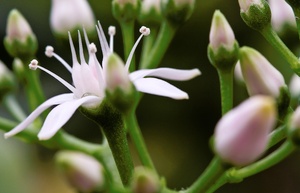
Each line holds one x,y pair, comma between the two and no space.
176,132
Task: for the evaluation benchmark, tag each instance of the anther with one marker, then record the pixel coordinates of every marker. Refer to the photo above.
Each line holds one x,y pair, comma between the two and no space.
112,30
92,48
145,31
33,64
49,51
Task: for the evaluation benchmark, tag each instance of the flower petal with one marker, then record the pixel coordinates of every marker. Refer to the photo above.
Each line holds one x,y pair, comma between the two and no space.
166,73
50,102
159,87
61,114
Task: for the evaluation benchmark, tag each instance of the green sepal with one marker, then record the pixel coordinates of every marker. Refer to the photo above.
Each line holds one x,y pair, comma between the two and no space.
19,49
224,59
176,15
258,17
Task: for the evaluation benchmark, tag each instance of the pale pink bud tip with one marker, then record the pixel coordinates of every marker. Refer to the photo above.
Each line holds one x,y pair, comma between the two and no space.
295,119
145,31
33,64
241,136
49,51
112,30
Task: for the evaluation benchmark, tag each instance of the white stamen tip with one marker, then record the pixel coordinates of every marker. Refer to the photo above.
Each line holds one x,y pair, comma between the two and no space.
145,31
112,30
92,48
49,51
33,64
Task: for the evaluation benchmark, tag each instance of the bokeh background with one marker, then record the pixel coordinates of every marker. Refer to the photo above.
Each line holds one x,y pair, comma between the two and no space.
176,132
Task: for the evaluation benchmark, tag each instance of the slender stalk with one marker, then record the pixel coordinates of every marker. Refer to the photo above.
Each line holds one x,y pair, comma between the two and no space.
13,107
278,44
277,135
165,36
226,88
128,41
214,170
138,140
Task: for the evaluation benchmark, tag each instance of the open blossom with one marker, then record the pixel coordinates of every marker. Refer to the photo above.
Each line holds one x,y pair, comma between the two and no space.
89,83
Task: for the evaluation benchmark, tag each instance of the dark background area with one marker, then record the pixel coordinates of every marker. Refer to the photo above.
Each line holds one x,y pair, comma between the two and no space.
176,132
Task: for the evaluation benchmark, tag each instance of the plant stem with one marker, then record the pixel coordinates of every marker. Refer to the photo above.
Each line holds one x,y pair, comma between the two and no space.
226,88
138,140
277,135
128,41
165,36
277,43
13,107
214,170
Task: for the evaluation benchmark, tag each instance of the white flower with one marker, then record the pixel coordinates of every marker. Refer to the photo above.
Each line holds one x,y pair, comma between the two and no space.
89,81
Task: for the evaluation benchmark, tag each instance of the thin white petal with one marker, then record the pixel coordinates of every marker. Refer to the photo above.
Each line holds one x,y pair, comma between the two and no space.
61,114
50,102
159,87
166,73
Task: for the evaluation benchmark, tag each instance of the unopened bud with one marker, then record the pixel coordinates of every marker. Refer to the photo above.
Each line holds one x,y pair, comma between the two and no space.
241,136
177,11
255,13
71,15
83,172
223,48
282,15
19,41
294,86
125,10
120,90
150,12
145,181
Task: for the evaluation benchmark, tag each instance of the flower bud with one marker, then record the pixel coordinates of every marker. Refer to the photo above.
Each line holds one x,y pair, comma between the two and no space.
71,15
177,11
241,136
125,10
223,48
19,41
120,90
260,76
238,73
295,4
255,13
294,127
83,172
145,181
295,86
150,12
282,15
7,80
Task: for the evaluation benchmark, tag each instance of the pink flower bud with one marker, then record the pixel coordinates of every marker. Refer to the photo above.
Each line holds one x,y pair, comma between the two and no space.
282,14
295,119
241,136
82,171
69,15
295,86
259,75
221,33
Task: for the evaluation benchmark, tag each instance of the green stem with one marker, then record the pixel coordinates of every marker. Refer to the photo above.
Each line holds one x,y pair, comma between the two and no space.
281,153
226,88
136,135
297,15
165,36
13,107
128,41
214,170
277,135
277,43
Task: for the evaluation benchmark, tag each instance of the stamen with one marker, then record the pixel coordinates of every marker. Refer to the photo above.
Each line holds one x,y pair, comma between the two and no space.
92,48
49,52
34,65
144,32
74,58
111,32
